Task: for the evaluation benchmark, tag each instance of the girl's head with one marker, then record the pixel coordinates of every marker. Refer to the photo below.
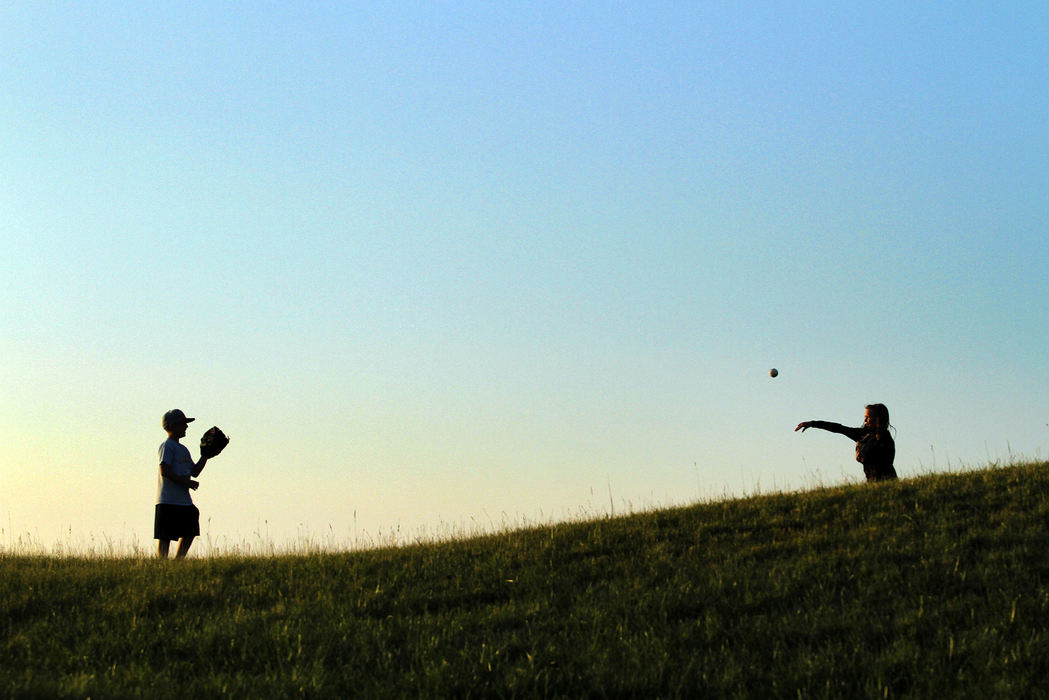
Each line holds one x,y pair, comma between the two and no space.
876,416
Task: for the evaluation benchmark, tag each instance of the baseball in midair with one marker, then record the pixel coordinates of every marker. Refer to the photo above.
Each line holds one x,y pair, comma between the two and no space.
773,372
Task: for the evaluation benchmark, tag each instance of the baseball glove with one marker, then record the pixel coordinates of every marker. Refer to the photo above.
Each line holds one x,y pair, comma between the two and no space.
213,442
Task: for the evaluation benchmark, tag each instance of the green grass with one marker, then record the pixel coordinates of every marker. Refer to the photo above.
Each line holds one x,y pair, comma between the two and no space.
931,587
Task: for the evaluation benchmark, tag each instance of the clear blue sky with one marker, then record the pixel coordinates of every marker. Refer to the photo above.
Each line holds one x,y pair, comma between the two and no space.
446,266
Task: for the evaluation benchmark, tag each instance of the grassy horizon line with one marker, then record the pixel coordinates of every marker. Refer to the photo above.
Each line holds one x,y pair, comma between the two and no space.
104,546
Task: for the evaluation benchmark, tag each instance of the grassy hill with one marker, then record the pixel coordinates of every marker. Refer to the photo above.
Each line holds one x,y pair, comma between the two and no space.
936,586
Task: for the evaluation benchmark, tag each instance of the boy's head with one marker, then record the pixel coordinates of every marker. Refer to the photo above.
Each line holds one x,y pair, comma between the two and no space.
175,422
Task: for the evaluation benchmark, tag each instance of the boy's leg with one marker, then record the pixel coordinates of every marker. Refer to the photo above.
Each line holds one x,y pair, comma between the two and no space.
162,548
183,546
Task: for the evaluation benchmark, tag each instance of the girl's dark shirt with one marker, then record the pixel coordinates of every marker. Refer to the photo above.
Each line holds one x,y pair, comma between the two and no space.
875,452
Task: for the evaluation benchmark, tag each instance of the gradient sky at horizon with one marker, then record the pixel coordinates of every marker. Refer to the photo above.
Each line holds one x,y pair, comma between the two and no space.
442,266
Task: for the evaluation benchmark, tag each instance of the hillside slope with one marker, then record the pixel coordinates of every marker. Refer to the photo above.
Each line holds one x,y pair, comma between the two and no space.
932,586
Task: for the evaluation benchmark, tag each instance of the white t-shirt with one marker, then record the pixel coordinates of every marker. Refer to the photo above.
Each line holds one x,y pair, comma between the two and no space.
177,456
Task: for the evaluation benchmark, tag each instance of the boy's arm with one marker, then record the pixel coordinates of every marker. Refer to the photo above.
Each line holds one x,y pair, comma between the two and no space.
199,466
168,473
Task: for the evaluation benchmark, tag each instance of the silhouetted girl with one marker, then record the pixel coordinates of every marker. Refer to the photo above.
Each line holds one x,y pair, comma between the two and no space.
875,449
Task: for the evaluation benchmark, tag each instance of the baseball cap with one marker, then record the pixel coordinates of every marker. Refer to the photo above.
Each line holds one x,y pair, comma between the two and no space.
175,416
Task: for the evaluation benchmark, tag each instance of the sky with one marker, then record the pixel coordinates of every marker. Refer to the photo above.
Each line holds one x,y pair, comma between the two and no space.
441,268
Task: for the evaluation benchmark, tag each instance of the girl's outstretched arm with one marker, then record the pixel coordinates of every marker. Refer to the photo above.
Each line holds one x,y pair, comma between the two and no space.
852,433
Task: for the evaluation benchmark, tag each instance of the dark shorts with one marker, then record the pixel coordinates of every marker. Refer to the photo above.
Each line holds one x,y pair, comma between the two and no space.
175,522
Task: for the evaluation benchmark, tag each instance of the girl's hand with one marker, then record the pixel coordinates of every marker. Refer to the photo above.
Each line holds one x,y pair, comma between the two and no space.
803,426
193,484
